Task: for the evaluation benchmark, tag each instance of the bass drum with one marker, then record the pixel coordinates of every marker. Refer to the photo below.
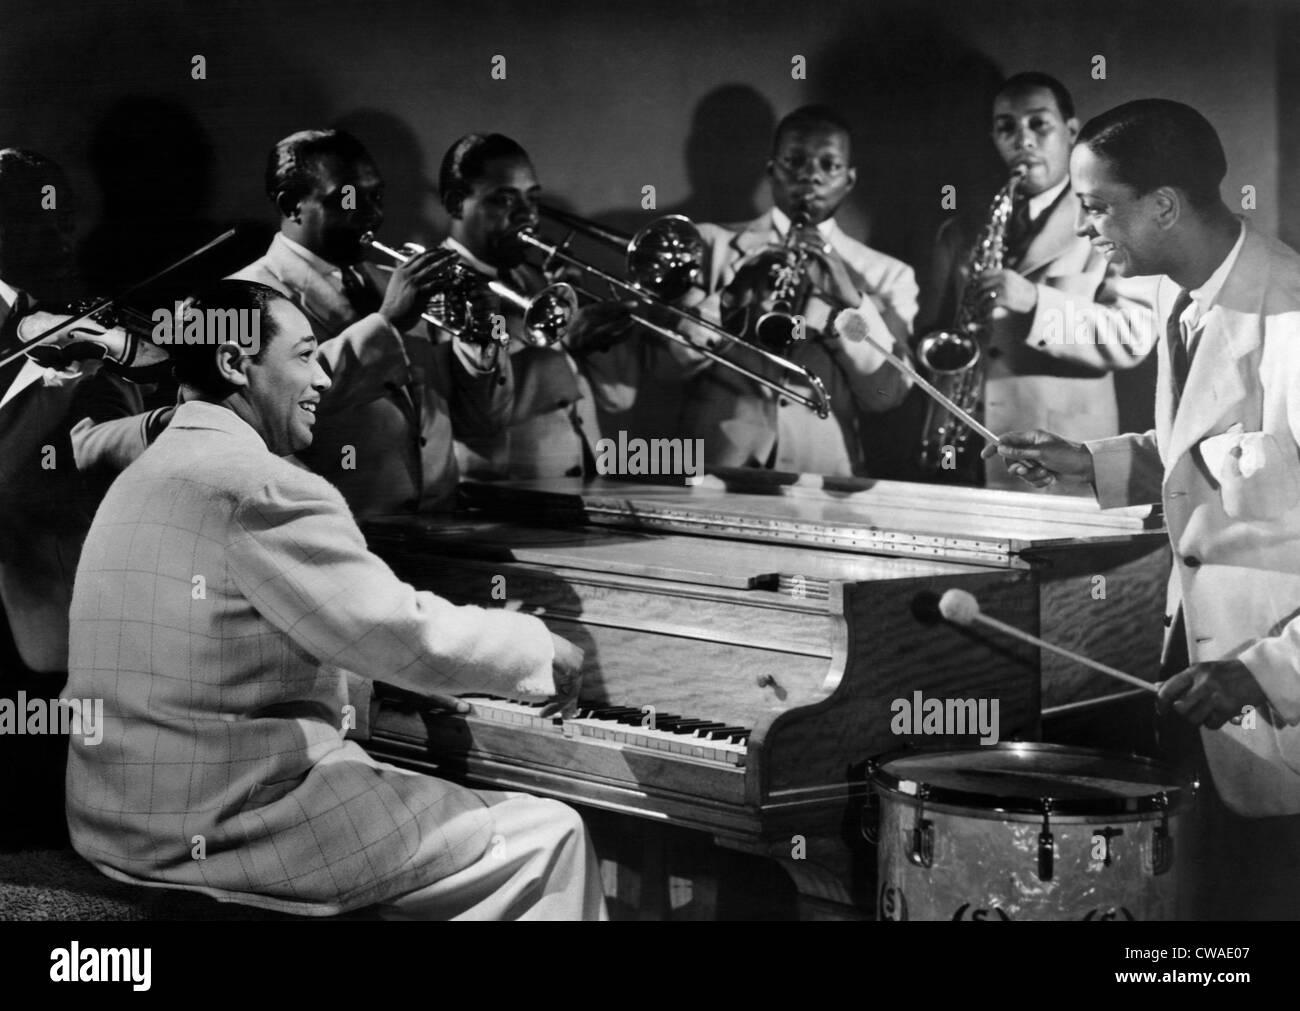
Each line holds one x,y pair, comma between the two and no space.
1026,832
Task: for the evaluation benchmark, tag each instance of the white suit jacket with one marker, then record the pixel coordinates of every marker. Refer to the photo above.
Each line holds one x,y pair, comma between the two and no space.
739,421
219,591
1227,468
1051,368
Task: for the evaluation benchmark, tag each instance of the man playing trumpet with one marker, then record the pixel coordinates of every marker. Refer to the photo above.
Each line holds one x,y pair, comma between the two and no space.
743,424
385,429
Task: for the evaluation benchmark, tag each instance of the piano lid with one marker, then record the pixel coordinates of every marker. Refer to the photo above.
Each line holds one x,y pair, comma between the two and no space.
958,524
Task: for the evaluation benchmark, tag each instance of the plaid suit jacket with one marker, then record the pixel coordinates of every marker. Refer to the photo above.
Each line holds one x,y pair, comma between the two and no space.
223,696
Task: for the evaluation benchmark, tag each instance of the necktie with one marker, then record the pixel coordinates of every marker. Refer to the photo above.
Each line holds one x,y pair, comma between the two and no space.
1180,360
358,291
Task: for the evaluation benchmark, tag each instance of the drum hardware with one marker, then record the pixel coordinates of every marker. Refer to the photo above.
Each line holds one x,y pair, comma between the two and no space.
871,812
1046,845
1162,843
922,853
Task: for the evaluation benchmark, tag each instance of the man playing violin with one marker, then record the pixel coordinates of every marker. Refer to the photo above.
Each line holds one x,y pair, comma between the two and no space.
46,504
742,424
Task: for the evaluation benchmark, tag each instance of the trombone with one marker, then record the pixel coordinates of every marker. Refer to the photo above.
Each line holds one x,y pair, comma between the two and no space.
546,315
663,261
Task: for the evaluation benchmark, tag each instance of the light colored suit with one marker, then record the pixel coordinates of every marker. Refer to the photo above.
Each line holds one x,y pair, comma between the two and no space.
1051,368
740,422
552,410
1234,520
220,590
385,429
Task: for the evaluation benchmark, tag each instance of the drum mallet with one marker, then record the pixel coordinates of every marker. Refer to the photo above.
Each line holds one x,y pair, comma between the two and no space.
852,327
961,608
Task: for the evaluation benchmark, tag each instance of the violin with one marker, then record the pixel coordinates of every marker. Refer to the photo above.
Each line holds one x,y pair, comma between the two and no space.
105,330
115,335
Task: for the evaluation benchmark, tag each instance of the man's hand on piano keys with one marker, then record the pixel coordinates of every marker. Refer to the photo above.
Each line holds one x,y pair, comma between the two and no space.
566,671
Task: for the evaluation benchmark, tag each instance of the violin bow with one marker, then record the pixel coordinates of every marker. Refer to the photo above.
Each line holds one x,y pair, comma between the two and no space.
104,303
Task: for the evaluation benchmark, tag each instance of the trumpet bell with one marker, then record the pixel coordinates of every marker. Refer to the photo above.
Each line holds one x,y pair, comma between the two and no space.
666,257
549,314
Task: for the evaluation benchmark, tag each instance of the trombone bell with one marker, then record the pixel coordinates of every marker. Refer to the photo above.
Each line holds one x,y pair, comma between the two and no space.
666,257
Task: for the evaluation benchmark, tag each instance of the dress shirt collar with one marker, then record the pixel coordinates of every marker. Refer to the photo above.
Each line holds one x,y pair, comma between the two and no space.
323,267
9,295
1042,201
781,221
470,258
1204,296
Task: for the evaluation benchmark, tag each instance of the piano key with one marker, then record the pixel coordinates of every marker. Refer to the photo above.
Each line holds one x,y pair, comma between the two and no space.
623,725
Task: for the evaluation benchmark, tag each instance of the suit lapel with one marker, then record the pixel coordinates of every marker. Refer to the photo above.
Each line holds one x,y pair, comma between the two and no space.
1054,238
1229,332
758,234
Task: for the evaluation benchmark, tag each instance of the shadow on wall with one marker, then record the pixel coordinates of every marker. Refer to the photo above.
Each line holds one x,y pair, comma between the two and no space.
726,154
153,162
918,98
412,211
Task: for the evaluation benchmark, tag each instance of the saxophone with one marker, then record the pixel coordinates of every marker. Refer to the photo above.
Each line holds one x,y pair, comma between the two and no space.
952,359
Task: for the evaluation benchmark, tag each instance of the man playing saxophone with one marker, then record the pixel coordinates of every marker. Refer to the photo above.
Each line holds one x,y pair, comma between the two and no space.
792,270
1058,319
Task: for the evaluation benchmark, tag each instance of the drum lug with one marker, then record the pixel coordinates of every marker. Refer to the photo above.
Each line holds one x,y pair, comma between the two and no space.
1046,851
871,817
922,854
1162,843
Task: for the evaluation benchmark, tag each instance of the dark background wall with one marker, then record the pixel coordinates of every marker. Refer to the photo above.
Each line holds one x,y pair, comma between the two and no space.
608,97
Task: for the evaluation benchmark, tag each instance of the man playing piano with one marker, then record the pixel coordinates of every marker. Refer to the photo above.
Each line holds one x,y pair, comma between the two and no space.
1224,459
220,590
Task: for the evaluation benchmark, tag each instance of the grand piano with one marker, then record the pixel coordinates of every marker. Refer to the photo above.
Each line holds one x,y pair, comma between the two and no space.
750,639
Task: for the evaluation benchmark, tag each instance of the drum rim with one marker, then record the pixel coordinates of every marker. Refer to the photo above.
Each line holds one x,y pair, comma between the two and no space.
1175,795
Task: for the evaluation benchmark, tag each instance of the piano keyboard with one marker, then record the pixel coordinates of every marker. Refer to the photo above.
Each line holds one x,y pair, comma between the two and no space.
705,740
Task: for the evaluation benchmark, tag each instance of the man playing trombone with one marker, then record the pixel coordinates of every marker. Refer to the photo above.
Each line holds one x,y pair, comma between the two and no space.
490,190
798,246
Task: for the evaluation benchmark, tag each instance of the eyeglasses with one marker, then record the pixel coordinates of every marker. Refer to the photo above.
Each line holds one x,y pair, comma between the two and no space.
829,166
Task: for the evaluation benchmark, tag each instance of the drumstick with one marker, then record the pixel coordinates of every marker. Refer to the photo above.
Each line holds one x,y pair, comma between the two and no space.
962,608
851,326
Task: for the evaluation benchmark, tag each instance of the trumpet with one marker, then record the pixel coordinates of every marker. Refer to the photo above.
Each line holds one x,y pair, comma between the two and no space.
664,259
451,309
